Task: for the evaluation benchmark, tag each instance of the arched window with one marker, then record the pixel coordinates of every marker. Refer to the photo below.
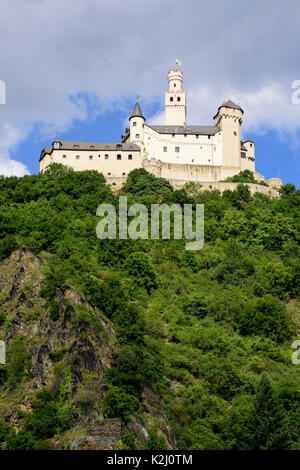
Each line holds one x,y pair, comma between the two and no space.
119,157
171,99
178,98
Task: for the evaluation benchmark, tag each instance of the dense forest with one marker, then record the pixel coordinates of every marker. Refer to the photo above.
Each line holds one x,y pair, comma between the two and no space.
210,331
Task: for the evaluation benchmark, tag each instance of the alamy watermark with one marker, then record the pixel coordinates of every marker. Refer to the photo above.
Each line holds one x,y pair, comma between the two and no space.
2,353
296,354
296,94
187,223
2,92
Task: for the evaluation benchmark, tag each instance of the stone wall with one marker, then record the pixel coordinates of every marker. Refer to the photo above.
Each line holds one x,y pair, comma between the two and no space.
117,183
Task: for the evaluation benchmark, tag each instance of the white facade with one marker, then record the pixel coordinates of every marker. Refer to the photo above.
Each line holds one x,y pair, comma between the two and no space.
173,150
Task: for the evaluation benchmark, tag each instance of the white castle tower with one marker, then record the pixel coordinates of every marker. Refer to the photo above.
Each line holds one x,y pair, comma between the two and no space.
175,102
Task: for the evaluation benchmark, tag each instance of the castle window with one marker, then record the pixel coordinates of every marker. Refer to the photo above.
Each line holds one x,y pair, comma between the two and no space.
251,145
171,99
92,147
129,157
119,157
174,85
107,147
106,157
178,99
76,146
184,135
243,155
99,155
173,135
208,136
91,157
109,173
64,156
134,123
235,133
214,148
177,149
123,174
197,136
77,157
192,161
137,136
165,149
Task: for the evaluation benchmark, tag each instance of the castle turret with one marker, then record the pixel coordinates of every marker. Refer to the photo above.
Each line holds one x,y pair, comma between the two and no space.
250,155
229,118
175,100
137,126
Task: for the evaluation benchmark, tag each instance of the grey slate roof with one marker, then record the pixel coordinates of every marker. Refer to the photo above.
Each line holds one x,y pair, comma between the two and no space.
232,105
192,130
137,112
92,146
249,140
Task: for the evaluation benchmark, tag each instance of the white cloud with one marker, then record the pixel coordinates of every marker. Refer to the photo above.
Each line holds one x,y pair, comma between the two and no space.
51,50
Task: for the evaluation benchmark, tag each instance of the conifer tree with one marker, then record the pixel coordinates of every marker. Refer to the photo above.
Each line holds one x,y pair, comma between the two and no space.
269,421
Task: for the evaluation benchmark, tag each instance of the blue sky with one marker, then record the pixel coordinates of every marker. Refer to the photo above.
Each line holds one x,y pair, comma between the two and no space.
77,66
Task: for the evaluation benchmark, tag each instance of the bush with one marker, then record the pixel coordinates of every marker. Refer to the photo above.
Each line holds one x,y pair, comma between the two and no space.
18,361
189,260
138,266
196,306
265,316
119,404
22,440
7,245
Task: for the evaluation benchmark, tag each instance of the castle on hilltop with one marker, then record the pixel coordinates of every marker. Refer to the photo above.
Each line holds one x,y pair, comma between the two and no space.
176,151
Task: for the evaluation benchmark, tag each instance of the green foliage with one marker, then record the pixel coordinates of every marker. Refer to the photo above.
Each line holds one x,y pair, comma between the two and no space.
18,362
139,267
20,441
189,260
245,176
7,245
141,183
196,328
155,441
269,421
119,404
4,429
265,316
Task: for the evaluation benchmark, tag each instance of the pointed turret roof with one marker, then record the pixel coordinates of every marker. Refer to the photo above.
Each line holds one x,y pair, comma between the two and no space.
137,112
231,104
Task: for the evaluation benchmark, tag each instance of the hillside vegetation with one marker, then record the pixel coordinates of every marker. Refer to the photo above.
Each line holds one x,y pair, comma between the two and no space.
192,347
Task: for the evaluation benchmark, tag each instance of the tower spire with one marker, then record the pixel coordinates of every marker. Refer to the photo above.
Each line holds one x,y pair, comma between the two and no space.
137,112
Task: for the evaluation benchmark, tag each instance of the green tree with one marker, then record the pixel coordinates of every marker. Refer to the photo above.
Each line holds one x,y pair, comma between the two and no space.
269,421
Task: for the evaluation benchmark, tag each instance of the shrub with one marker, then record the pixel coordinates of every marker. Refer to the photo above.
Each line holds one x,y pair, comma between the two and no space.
138,265
196,306
265,316
119,404
22,440
7,245
18,361
189,260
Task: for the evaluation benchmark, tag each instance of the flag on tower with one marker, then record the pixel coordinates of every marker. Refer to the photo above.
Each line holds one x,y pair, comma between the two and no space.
178,62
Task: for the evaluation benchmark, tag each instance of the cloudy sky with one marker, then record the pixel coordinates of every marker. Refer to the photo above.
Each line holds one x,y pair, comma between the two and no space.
76,66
